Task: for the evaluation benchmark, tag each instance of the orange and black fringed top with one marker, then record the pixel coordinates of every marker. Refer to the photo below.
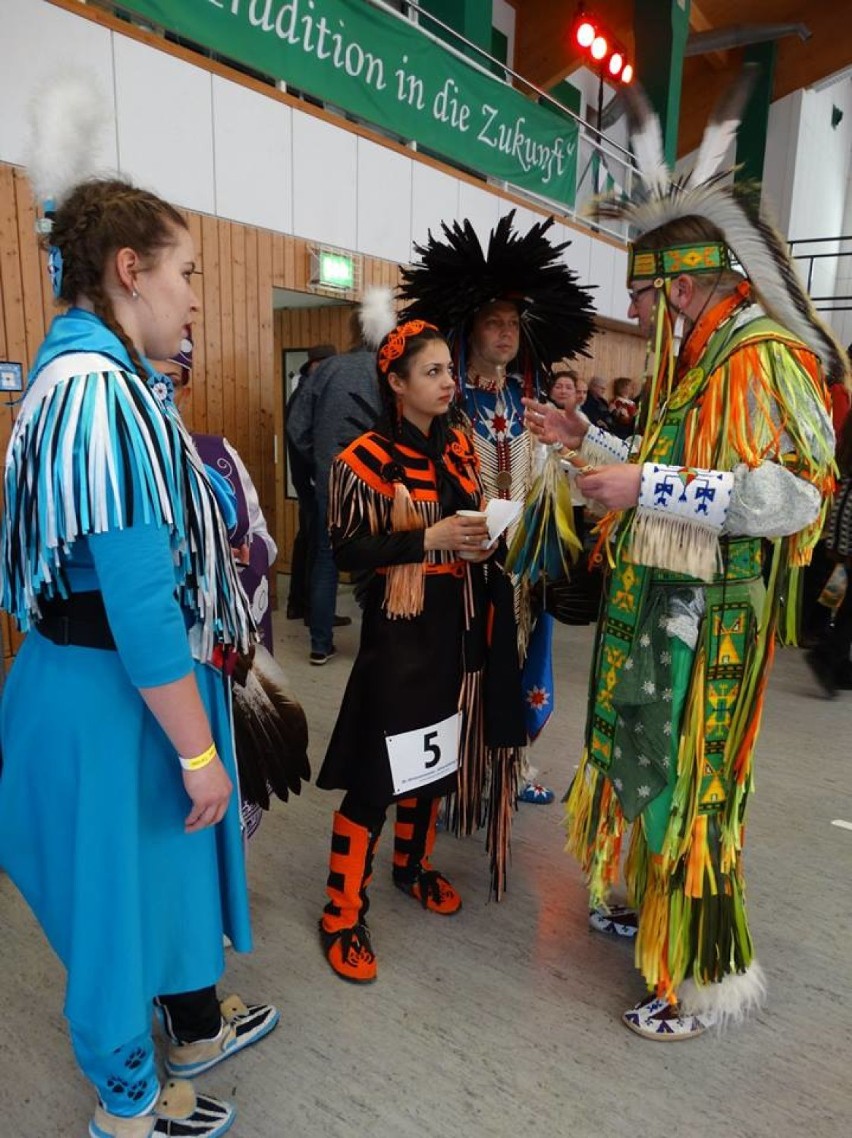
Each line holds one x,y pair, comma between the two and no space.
384,493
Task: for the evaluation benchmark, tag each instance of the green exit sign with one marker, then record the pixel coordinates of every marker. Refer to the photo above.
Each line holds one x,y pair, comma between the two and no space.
336,270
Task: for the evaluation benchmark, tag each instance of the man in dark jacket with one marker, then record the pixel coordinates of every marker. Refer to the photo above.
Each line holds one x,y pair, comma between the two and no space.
301,475
340,403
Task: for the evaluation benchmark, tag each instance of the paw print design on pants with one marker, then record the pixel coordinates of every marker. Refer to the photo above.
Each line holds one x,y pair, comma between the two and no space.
135,1059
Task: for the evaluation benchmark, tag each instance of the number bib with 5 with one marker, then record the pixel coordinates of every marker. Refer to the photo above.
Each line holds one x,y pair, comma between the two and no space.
425,755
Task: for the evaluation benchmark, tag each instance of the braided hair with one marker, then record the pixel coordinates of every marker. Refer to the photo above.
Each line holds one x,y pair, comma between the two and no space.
96,219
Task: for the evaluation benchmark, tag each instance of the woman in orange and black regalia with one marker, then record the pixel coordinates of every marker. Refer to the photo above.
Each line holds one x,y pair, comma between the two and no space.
412,711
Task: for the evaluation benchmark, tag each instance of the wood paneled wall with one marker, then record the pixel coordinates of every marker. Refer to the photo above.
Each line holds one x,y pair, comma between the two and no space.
26,308
237,386
614,351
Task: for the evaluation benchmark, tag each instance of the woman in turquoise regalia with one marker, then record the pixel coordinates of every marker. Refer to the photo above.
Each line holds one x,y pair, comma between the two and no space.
117,818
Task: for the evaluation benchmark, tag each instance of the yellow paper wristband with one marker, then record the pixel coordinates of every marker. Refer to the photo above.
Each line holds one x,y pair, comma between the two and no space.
199,761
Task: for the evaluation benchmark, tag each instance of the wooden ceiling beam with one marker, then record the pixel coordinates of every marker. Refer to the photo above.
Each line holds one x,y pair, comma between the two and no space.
545,52
699,22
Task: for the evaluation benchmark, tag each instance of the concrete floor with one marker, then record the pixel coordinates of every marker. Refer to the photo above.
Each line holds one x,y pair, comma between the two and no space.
505,1019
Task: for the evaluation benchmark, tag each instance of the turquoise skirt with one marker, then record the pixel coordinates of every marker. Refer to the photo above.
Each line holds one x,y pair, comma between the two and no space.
92,810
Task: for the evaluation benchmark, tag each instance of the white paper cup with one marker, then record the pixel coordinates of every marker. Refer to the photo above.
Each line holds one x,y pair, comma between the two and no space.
483,545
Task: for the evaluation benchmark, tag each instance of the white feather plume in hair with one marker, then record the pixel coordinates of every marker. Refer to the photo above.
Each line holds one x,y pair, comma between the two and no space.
68,118
377,315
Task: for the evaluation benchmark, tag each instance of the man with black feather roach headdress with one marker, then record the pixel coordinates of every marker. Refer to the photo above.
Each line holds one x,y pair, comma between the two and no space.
507,314
736,451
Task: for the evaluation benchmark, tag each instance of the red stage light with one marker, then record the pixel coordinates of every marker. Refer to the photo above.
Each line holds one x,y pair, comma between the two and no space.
585,33
599,48
627,73
616,62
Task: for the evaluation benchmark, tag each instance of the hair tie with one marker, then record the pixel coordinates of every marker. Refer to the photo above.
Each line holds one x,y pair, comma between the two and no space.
44,227
394,345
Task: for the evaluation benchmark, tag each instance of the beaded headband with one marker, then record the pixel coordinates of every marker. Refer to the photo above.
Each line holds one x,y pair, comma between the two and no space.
395,341
645,264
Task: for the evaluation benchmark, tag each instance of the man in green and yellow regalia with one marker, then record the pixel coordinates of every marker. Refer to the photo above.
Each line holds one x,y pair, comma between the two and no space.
713,508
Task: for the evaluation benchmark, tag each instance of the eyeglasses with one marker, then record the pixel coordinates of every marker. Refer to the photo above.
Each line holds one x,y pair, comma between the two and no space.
635,293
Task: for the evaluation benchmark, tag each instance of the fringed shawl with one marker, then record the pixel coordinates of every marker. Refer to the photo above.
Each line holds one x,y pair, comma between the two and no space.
394,487
94,449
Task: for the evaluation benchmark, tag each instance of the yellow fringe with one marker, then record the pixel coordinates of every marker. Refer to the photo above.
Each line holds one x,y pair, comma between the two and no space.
652,939
405,585
595,826
636,866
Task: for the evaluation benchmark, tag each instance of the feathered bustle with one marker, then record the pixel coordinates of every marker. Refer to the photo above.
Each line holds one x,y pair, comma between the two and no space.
270,733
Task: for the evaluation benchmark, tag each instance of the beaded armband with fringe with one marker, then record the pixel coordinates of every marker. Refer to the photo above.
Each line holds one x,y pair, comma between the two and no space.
679,518
600,448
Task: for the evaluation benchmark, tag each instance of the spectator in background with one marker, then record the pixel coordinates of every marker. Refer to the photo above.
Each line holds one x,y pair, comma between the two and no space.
300,467
623,407
253,546
562,384
596,406
341,402
828,659
581,387
817,620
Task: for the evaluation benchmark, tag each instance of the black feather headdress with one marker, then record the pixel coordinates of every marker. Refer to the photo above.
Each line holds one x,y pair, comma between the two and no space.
706,191
454,278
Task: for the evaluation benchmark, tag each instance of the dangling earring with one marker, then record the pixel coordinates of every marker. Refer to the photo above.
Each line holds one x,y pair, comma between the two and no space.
134,295
398,410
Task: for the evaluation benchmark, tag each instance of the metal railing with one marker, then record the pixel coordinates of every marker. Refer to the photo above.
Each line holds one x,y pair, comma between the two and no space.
827,272
602,163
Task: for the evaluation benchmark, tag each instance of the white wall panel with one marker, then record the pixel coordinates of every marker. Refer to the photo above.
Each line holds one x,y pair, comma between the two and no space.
782,140
602,274
578,254
252,154
620,299
481,208
384,202
325,182
39,41
434,198
165,124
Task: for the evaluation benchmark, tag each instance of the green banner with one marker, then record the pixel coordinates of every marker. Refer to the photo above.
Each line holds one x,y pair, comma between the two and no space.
386,71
